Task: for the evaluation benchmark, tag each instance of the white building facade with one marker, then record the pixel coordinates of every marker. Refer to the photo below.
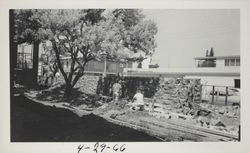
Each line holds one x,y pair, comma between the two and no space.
225,73
220,61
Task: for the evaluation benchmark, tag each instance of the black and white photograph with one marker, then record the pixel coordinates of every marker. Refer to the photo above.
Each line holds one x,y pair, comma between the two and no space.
125,75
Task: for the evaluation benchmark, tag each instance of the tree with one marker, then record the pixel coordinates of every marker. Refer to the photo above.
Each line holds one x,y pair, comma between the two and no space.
26,30
49,62
211,54
13,47
84,35
154,66
137,34
210,62
207,53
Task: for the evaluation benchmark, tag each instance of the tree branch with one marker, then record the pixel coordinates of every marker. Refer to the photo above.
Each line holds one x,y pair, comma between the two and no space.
80,73
58,60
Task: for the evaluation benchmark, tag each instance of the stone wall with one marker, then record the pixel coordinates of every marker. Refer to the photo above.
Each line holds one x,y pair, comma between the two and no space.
173,89
130,85
161,88
87,84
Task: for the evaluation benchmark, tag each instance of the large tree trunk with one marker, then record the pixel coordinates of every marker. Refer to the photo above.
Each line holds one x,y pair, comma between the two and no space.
13,47
70,81
68,90
35,61
70,85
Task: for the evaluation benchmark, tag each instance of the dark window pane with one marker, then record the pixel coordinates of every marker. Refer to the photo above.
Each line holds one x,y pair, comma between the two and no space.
24,56
237,83
237,62
226,62
232,62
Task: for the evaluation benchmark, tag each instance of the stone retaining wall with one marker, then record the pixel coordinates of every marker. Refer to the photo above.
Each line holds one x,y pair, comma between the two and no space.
174,89
161,88
87,84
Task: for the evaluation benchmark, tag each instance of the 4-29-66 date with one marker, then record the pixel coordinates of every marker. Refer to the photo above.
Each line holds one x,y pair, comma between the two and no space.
102,147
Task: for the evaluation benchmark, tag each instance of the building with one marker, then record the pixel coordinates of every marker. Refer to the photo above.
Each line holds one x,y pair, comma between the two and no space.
219,61
225,73
98,66
219,77
25,66
226,64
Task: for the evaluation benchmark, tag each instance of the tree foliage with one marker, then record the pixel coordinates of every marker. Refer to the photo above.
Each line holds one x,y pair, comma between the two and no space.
208,62
137,34
211,54
26,27
84,35
154,66
207,53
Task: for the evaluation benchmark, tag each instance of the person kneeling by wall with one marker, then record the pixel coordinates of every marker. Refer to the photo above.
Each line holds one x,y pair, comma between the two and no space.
137,101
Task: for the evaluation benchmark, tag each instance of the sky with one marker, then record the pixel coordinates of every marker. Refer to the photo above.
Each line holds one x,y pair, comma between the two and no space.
185,34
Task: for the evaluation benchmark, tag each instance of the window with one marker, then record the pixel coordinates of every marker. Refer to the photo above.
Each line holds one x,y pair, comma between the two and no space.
236,83
24,56
226,62
232,62
207,63
237,62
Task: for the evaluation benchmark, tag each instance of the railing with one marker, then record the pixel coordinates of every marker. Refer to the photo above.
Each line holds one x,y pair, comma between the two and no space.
220,95
24,61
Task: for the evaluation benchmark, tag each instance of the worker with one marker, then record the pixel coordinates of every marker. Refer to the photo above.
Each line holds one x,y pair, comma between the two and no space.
116,91
137,101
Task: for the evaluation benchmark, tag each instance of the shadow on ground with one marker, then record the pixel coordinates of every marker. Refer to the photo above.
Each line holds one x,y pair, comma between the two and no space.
33,122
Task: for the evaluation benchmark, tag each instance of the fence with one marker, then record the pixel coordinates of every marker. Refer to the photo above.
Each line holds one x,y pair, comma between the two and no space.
220,95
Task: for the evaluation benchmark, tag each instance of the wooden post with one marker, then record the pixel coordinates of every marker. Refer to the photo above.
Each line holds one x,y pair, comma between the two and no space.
105,66
35,61
226,96
213,95
193,94
13,47
201,93
239,133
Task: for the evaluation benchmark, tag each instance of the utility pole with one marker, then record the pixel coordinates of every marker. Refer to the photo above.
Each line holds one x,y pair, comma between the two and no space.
104,54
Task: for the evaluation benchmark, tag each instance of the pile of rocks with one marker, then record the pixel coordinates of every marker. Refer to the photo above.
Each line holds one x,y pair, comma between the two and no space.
229,111
175,90
88,84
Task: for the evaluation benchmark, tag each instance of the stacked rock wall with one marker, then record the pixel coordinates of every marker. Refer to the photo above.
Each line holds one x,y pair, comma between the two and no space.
160,88
130,85
87,84
175,89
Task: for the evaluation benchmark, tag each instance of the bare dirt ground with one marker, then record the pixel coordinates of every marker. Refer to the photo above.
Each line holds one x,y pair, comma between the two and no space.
35,122
168,122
